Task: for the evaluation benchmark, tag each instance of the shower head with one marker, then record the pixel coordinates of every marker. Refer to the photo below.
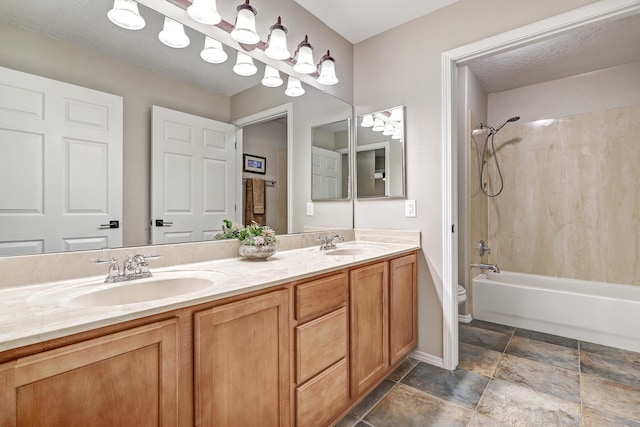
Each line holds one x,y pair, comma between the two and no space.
512,119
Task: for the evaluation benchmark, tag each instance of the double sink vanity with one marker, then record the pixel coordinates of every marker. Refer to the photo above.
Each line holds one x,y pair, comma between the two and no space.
296,340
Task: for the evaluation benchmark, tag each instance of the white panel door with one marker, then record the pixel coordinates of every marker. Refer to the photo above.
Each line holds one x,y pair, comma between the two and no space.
60,166
193,176
326,177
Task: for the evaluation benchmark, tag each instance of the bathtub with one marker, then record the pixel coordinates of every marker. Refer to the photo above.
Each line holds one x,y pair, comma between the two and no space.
602,313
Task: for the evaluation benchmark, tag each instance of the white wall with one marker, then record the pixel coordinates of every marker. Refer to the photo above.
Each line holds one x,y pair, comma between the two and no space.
584,93
413,78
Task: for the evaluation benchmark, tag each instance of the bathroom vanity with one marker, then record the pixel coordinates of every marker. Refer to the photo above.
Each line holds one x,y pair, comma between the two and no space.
296,340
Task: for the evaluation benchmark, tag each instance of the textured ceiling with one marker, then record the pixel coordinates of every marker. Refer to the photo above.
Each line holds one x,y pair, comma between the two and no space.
576,52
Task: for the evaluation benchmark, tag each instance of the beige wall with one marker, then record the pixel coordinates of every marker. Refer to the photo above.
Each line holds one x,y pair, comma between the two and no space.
32,53
413,78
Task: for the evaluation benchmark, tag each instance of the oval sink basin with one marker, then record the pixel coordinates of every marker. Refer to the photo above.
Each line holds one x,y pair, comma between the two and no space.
355,250
136,292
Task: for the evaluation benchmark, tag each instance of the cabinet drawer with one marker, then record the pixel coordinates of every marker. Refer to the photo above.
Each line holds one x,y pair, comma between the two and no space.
320,296
320,343
321,400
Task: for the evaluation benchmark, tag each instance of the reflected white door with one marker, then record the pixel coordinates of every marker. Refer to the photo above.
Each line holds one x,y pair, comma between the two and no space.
60,166
193,176
326,178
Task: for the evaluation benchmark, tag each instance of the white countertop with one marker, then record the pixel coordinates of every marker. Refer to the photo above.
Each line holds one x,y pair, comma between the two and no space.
35,313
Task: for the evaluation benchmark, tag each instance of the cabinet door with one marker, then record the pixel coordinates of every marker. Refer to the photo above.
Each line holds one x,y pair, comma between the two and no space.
124,379
368,303
403,307
242,363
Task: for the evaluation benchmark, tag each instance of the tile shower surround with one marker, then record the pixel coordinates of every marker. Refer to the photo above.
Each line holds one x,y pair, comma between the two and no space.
571,200
508,377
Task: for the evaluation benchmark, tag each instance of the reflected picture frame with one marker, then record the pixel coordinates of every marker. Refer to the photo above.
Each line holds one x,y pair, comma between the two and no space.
254,164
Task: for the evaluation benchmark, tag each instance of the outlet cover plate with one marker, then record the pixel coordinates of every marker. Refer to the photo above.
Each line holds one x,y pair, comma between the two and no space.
309,208
410,208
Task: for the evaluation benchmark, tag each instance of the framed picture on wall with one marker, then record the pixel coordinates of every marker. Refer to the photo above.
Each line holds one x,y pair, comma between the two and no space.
255,164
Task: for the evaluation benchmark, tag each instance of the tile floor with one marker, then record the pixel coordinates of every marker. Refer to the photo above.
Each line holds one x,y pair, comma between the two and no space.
510,377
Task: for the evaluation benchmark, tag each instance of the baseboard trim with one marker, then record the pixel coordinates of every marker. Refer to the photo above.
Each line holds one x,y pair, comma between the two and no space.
465,318
427,358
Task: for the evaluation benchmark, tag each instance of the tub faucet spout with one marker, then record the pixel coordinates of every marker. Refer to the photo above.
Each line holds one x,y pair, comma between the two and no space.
483,267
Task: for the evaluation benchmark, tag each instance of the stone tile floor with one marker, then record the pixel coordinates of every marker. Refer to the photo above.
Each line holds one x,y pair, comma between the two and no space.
510,377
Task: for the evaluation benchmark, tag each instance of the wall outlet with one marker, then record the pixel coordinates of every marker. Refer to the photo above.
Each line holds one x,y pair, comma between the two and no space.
309,208
410,208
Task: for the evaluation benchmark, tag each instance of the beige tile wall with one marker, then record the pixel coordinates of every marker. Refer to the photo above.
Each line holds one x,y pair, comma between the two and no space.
571,200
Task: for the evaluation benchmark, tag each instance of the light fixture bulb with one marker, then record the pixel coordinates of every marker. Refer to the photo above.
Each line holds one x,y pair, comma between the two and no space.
294,87
204,11
173,35
125,14
213,51
271,77
378,125
388,129
367,121
277,42
245,29
396,114
397,134
327,70
304,58
244,65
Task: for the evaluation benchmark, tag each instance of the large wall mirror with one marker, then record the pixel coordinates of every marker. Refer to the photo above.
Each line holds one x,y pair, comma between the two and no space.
77,44
380,139
330,175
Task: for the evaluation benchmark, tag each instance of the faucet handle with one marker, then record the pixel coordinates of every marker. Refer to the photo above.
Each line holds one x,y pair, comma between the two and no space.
114,269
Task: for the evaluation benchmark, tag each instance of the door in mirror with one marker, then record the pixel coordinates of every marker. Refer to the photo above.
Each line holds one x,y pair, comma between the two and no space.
380,154
330,161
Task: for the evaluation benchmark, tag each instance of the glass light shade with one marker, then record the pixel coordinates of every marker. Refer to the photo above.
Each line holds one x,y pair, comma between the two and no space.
304,61
125,14
213,51
388,129
173,35
378,125
327,72
396,114
271,77
204,11
367,121
294,87
397,134
244,65
245,29
277,48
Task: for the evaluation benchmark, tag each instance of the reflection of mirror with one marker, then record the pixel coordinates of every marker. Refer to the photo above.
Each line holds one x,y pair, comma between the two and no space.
83,48
380,154
330,161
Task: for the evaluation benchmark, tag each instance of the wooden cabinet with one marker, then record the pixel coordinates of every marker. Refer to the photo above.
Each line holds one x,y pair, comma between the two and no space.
125,379
383,327
303,354
369,328
403,307
321,349
241,354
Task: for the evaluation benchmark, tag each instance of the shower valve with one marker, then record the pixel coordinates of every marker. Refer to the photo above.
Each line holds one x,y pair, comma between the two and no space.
482,248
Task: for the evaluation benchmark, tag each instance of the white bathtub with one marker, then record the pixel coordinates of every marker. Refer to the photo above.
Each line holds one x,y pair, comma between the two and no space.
597,312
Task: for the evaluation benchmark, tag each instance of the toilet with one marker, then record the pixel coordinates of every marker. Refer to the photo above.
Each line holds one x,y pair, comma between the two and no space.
462,294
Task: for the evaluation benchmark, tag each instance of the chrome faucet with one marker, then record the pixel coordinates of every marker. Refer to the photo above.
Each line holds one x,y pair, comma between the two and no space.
329,242
134,268
483,267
